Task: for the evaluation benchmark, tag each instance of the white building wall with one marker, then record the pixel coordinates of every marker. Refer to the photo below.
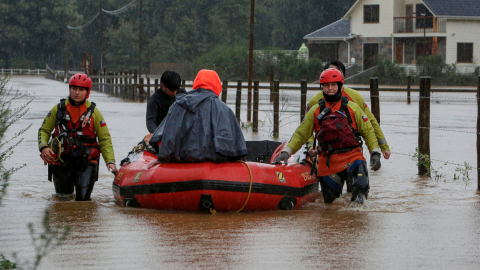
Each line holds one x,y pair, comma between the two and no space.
382,29
399,8
460,31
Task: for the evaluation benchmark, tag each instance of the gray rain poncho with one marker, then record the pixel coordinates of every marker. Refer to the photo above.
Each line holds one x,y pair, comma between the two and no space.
199,127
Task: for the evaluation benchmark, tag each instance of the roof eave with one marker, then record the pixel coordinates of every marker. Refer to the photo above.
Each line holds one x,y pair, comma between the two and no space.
329,38
350,10
475,18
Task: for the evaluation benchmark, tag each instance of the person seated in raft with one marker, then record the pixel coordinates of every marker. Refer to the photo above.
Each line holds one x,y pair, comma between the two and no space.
199,127
339,125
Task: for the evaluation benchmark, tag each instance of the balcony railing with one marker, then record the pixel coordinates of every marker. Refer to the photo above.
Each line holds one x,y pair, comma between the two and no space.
424,24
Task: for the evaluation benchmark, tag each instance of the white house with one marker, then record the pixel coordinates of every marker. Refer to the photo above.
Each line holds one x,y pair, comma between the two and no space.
402,30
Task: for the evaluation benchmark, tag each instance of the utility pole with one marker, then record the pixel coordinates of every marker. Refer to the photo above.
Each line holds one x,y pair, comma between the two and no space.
66,53
100,37
250,61
140,40
424,20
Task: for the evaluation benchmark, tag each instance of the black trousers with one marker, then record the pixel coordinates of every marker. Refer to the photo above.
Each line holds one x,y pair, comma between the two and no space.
80,178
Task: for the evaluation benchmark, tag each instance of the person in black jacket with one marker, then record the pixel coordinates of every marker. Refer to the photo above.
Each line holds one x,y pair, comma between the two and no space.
163,98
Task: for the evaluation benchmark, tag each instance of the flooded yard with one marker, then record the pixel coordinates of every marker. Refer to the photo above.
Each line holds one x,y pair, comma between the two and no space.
409,221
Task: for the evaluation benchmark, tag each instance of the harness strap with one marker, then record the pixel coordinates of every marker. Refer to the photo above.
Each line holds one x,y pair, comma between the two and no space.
90,110
61,108
330,151
344,109
321,104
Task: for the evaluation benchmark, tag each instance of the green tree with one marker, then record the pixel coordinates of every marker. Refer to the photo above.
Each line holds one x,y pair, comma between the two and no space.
34,32
293,20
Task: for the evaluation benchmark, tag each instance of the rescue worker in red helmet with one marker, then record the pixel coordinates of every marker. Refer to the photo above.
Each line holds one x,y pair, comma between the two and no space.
355,97
79,135
339,126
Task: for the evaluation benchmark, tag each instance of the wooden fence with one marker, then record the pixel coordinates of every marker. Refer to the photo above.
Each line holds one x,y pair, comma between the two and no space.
22,71
130,86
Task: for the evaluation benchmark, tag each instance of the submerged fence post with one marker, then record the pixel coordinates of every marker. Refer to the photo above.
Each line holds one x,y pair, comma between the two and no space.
238,101
256,85
478,135
134,86
224,91
409,81
117,80
148,89
141,92
276,107
303,99
375,98
424,126
271,88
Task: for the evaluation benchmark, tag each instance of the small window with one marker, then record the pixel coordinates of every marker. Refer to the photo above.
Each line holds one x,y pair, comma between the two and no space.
371,13
464,52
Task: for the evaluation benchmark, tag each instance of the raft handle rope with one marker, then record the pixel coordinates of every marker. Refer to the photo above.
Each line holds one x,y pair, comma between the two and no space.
213,211
59,149
250,188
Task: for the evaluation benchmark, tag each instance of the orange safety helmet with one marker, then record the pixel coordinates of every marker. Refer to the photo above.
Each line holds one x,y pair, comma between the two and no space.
81,80
331,75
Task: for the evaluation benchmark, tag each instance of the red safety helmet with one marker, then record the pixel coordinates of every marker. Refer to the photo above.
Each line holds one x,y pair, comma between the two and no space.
81,80
331,75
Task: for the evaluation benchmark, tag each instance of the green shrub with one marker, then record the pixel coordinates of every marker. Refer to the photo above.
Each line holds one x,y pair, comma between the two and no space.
388,72
231,63
432,65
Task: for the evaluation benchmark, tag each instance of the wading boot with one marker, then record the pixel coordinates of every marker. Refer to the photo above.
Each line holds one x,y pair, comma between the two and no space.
359,195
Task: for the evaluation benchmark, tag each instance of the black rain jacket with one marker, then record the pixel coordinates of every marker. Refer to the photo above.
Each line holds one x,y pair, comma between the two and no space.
157,107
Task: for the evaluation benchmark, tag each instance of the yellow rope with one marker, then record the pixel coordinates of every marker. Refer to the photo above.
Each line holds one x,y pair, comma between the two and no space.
250,189
59,149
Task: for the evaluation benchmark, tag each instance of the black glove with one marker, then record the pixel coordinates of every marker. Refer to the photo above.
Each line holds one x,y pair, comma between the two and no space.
283,157
375,161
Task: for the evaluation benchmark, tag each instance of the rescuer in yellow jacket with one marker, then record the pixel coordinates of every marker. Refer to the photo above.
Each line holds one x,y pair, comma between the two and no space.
74,151
339,126
355,97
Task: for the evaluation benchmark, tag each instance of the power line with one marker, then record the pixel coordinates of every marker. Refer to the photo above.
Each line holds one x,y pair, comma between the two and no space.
113,12
85,25
121,10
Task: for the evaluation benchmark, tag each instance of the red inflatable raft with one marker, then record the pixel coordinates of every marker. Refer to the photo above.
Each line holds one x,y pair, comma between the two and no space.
232,186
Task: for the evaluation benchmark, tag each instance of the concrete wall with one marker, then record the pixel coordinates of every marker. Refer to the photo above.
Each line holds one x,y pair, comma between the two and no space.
399,8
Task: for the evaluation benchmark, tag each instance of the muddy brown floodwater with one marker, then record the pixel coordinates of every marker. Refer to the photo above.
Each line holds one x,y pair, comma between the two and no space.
408,222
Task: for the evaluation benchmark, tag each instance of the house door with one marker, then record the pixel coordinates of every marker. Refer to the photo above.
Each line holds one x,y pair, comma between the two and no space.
370,53
409,18
399,52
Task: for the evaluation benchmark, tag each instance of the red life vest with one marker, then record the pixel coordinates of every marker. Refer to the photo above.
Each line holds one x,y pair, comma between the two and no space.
334,132
77,140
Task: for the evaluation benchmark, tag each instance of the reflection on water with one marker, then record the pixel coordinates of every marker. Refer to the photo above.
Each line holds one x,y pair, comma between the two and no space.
409,221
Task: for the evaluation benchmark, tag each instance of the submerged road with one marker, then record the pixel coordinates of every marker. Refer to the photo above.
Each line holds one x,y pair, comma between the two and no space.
409,221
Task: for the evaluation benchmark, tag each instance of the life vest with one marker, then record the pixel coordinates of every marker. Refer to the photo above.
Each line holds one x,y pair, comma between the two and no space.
74,140
334,132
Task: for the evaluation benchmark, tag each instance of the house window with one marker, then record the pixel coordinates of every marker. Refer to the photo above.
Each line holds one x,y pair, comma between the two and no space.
464,52
371,13
424,17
